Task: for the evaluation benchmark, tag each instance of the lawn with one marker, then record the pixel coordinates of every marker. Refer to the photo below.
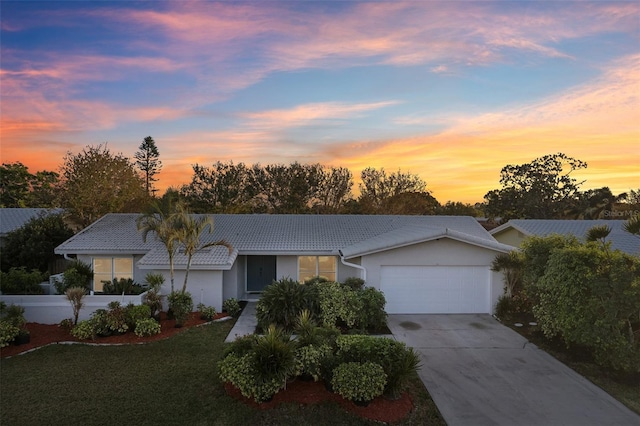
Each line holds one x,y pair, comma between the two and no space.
173,381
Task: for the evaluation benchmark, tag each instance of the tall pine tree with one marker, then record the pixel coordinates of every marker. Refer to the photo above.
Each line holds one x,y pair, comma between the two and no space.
147,160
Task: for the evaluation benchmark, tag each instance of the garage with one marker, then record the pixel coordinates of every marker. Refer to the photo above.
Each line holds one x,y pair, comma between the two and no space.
436,289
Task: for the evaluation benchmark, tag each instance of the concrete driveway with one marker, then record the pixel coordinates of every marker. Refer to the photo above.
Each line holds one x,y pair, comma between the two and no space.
480,372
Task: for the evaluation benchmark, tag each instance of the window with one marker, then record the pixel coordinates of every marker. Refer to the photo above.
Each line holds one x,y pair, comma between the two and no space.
313,266
108,268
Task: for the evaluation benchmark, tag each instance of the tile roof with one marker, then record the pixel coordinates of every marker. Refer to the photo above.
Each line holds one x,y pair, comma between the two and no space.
218,257
14,218
280,234
619,238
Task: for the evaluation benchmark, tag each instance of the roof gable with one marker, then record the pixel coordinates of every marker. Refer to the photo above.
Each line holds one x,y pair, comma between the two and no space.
619,238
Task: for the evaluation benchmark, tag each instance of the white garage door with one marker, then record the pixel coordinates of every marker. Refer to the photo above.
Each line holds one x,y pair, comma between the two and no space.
436,289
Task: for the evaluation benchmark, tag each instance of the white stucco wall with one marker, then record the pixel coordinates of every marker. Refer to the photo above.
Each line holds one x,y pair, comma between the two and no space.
51,309
287,267
442,252
510,236
204,286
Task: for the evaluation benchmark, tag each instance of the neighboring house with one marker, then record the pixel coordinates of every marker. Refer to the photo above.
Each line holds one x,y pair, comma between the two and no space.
423,264
15,218
516,230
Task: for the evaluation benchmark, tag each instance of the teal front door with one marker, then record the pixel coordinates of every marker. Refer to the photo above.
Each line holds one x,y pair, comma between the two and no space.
261,271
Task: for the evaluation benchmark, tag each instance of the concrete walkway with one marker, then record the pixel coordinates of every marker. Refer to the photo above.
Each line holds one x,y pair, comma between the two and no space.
246,323
480,372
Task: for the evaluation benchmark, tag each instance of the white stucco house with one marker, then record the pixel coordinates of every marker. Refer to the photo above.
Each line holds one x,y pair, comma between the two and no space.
423,264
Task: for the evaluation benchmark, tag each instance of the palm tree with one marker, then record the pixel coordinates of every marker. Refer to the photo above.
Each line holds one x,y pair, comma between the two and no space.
166,224
189,236
633,225
511,264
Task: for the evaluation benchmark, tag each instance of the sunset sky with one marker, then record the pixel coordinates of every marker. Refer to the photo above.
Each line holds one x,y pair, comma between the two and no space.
452,91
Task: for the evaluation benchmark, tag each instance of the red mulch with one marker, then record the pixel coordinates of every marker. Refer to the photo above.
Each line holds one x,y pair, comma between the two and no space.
44,334
304,393
300,392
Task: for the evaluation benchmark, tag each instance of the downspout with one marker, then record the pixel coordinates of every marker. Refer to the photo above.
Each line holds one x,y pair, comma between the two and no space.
353,265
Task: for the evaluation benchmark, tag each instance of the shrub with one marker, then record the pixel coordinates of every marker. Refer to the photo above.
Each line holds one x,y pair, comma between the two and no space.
504,307
117,318
12,314
8,333
339,305
84,330
354,283
75,296
398,361
122,286
372,316
135,313
274,355
181,304
359,381
242,373
78,274
99,320
282,302
21,281
154,281
316,280
66,324
147,327
310,359
206,312
241,346
231,306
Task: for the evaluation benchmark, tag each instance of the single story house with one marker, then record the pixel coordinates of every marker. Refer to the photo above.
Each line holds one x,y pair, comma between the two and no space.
423,264
516,230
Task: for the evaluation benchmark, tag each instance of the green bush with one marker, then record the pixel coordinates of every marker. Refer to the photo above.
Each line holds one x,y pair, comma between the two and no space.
316,280
8,333
66,324
182,305
136,313
372,316
310,359
282,301
354,283
232,307
117,318
590,297
84,330
146,327
77,274
12,314
399,362
99,321
274,355
21,281
242,373
359,381
241,346
206,312
122,286
339,305
504,307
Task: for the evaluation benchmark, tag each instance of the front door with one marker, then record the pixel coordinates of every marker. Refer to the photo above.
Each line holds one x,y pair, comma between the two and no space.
261,271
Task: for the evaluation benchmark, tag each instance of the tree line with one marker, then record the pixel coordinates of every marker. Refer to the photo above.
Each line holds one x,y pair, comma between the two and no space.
96,181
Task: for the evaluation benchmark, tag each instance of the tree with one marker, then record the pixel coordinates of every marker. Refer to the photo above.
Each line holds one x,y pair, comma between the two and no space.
510,264
20,188
596,204
165,222
14,185
96,182
147,160
542,189
189,230
456,208
32,246
283,189
377,187
222,188
334,190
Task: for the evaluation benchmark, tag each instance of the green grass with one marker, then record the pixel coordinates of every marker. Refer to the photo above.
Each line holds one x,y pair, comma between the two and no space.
171,382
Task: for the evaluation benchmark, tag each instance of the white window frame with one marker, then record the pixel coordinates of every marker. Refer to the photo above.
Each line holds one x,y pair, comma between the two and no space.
317,271
113,274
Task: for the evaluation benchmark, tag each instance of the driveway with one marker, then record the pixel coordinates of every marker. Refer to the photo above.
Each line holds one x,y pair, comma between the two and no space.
480,372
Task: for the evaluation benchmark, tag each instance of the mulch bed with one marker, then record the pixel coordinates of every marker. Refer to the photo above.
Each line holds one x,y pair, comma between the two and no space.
305,393
45,334
298,392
